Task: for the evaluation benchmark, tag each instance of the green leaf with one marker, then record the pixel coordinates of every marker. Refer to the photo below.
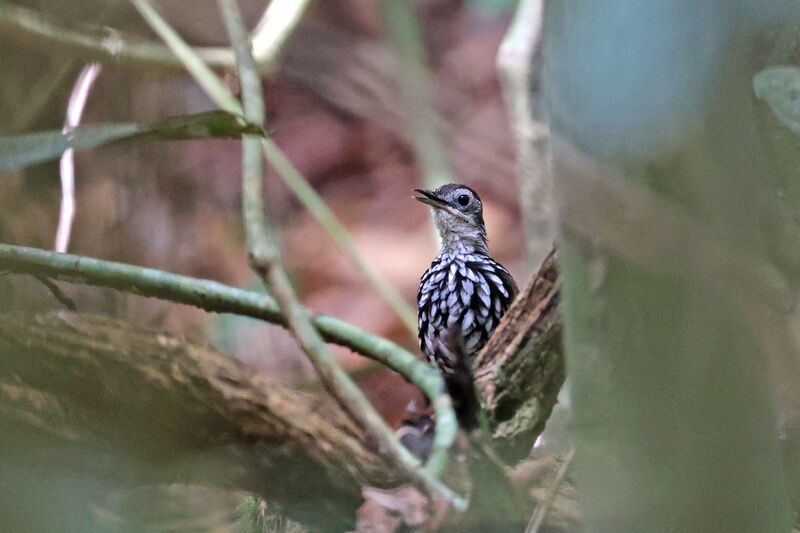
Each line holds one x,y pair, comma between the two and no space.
780,88
214,124
22,150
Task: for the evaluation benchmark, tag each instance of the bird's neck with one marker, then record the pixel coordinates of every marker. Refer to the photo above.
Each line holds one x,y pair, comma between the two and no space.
470,241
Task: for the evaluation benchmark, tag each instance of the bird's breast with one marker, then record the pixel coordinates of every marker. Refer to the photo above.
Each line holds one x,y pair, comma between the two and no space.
462,292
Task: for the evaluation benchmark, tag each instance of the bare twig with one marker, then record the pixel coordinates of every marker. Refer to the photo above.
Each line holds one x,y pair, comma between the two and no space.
537,518
112,46
279,19
194,63
220,94
422,128
77,103
57,293
276,24
327,219
517,58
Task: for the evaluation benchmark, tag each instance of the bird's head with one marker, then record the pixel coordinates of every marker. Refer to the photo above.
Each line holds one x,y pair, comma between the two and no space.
458,215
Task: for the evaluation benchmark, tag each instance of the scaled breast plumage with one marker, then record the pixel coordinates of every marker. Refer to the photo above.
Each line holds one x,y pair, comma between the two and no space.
469,292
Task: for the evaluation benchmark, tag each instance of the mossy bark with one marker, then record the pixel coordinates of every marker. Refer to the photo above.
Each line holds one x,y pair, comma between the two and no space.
140,407
521,369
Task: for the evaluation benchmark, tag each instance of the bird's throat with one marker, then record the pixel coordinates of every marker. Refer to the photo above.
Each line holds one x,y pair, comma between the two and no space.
462,238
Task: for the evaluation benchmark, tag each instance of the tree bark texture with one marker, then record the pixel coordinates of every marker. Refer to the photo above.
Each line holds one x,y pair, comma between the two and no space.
157,409
521,369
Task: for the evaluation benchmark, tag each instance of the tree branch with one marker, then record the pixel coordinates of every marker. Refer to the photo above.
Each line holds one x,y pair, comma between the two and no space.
521,369
527,342
140,407
113,46
276,25
534,366
217,298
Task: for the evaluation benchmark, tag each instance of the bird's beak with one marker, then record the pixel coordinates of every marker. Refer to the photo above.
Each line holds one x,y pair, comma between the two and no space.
430,198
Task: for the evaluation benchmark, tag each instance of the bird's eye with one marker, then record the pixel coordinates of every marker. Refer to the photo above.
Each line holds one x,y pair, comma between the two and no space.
463,200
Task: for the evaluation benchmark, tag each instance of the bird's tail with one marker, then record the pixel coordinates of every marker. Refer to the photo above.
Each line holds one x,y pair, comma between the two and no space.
459,379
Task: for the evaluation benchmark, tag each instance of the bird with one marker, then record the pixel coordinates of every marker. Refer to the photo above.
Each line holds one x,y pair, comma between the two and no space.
465,292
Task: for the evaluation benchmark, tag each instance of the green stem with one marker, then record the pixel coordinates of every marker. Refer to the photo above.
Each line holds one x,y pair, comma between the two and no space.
415,82
265,260
216,297
198,68
220,94
113,46
327,219
270,35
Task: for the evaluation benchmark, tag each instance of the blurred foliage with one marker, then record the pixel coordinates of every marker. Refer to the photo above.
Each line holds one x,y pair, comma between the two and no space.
679,377
31,148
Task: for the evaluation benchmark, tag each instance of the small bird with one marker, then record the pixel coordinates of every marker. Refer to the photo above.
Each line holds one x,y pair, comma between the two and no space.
465,292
